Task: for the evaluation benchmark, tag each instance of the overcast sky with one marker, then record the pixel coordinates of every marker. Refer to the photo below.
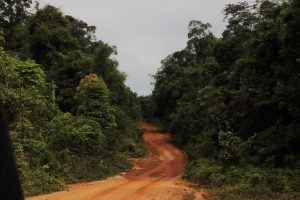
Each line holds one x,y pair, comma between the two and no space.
144,31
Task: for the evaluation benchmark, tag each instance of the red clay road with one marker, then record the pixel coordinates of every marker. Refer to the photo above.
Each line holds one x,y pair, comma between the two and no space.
157,176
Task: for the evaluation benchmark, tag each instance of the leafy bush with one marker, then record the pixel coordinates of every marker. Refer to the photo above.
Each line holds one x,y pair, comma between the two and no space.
244,182
53,148
92,96
230,146
75,168
233,103
79,135
203,171
36,181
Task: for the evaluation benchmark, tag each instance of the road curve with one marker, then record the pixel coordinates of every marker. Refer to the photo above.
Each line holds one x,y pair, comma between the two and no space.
155,177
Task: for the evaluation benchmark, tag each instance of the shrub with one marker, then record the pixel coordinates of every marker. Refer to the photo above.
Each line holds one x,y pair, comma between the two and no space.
79,135
92,97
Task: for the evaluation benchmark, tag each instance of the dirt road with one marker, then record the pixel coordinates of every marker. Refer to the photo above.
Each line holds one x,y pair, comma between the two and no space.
155,177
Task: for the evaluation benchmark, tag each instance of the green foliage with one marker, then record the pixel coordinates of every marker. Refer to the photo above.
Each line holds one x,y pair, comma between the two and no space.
88,85
90,168
233,103
13,16
12,12
78,135
68,50
93,101
201,40
126,137
1,38
54,148
230,146
189,196
24,89
203,171
37,181
244,182
147,107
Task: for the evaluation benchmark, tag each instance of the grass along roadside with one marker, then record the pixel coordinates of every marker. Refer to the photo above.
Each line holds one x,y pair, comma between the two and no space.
244,182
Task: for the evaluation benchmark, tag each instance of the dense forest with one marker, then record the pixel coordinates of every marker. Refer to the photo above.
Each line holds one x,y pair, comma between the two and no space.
233,103
70,115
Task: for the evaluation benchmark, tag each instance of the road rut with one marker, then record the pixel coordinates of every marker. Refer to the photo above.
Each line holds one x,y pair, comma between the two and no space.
157,176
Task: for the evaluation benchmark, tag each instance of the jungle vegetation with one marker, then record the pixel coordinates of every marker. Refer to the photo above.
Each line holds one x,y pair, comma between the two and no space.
232,103
70,115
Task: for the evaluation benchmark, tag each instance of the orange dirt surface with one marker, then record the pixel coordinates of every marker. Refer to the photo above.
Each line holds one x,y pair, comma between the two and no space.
157,176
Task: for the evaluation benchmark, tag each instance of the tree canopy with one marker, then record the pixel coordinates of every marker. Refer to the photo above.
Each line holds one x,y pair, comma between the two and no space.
70,114
234,101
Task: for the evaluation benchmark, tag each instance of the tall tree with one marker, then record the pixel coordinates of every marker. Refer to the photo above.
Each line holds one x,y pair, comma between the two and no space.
13,15
92,96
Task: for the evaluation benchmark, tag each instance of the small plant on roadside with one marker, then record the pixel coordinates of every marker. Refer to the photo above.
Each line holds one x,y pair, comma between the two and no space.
190,195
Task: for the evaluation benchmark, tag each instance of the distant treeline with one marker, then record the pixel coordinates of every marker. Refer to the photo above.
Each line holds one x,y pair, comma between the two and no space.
71,117
233,103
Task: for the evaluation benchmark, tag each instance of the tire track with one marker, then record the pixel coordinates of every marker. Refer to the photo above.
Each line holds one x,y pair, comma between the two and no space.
153,177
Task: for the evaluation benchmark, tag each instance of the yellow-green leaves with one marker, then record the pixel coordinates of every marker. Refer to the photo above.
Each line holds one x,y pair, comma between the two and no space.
89,84
92,97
